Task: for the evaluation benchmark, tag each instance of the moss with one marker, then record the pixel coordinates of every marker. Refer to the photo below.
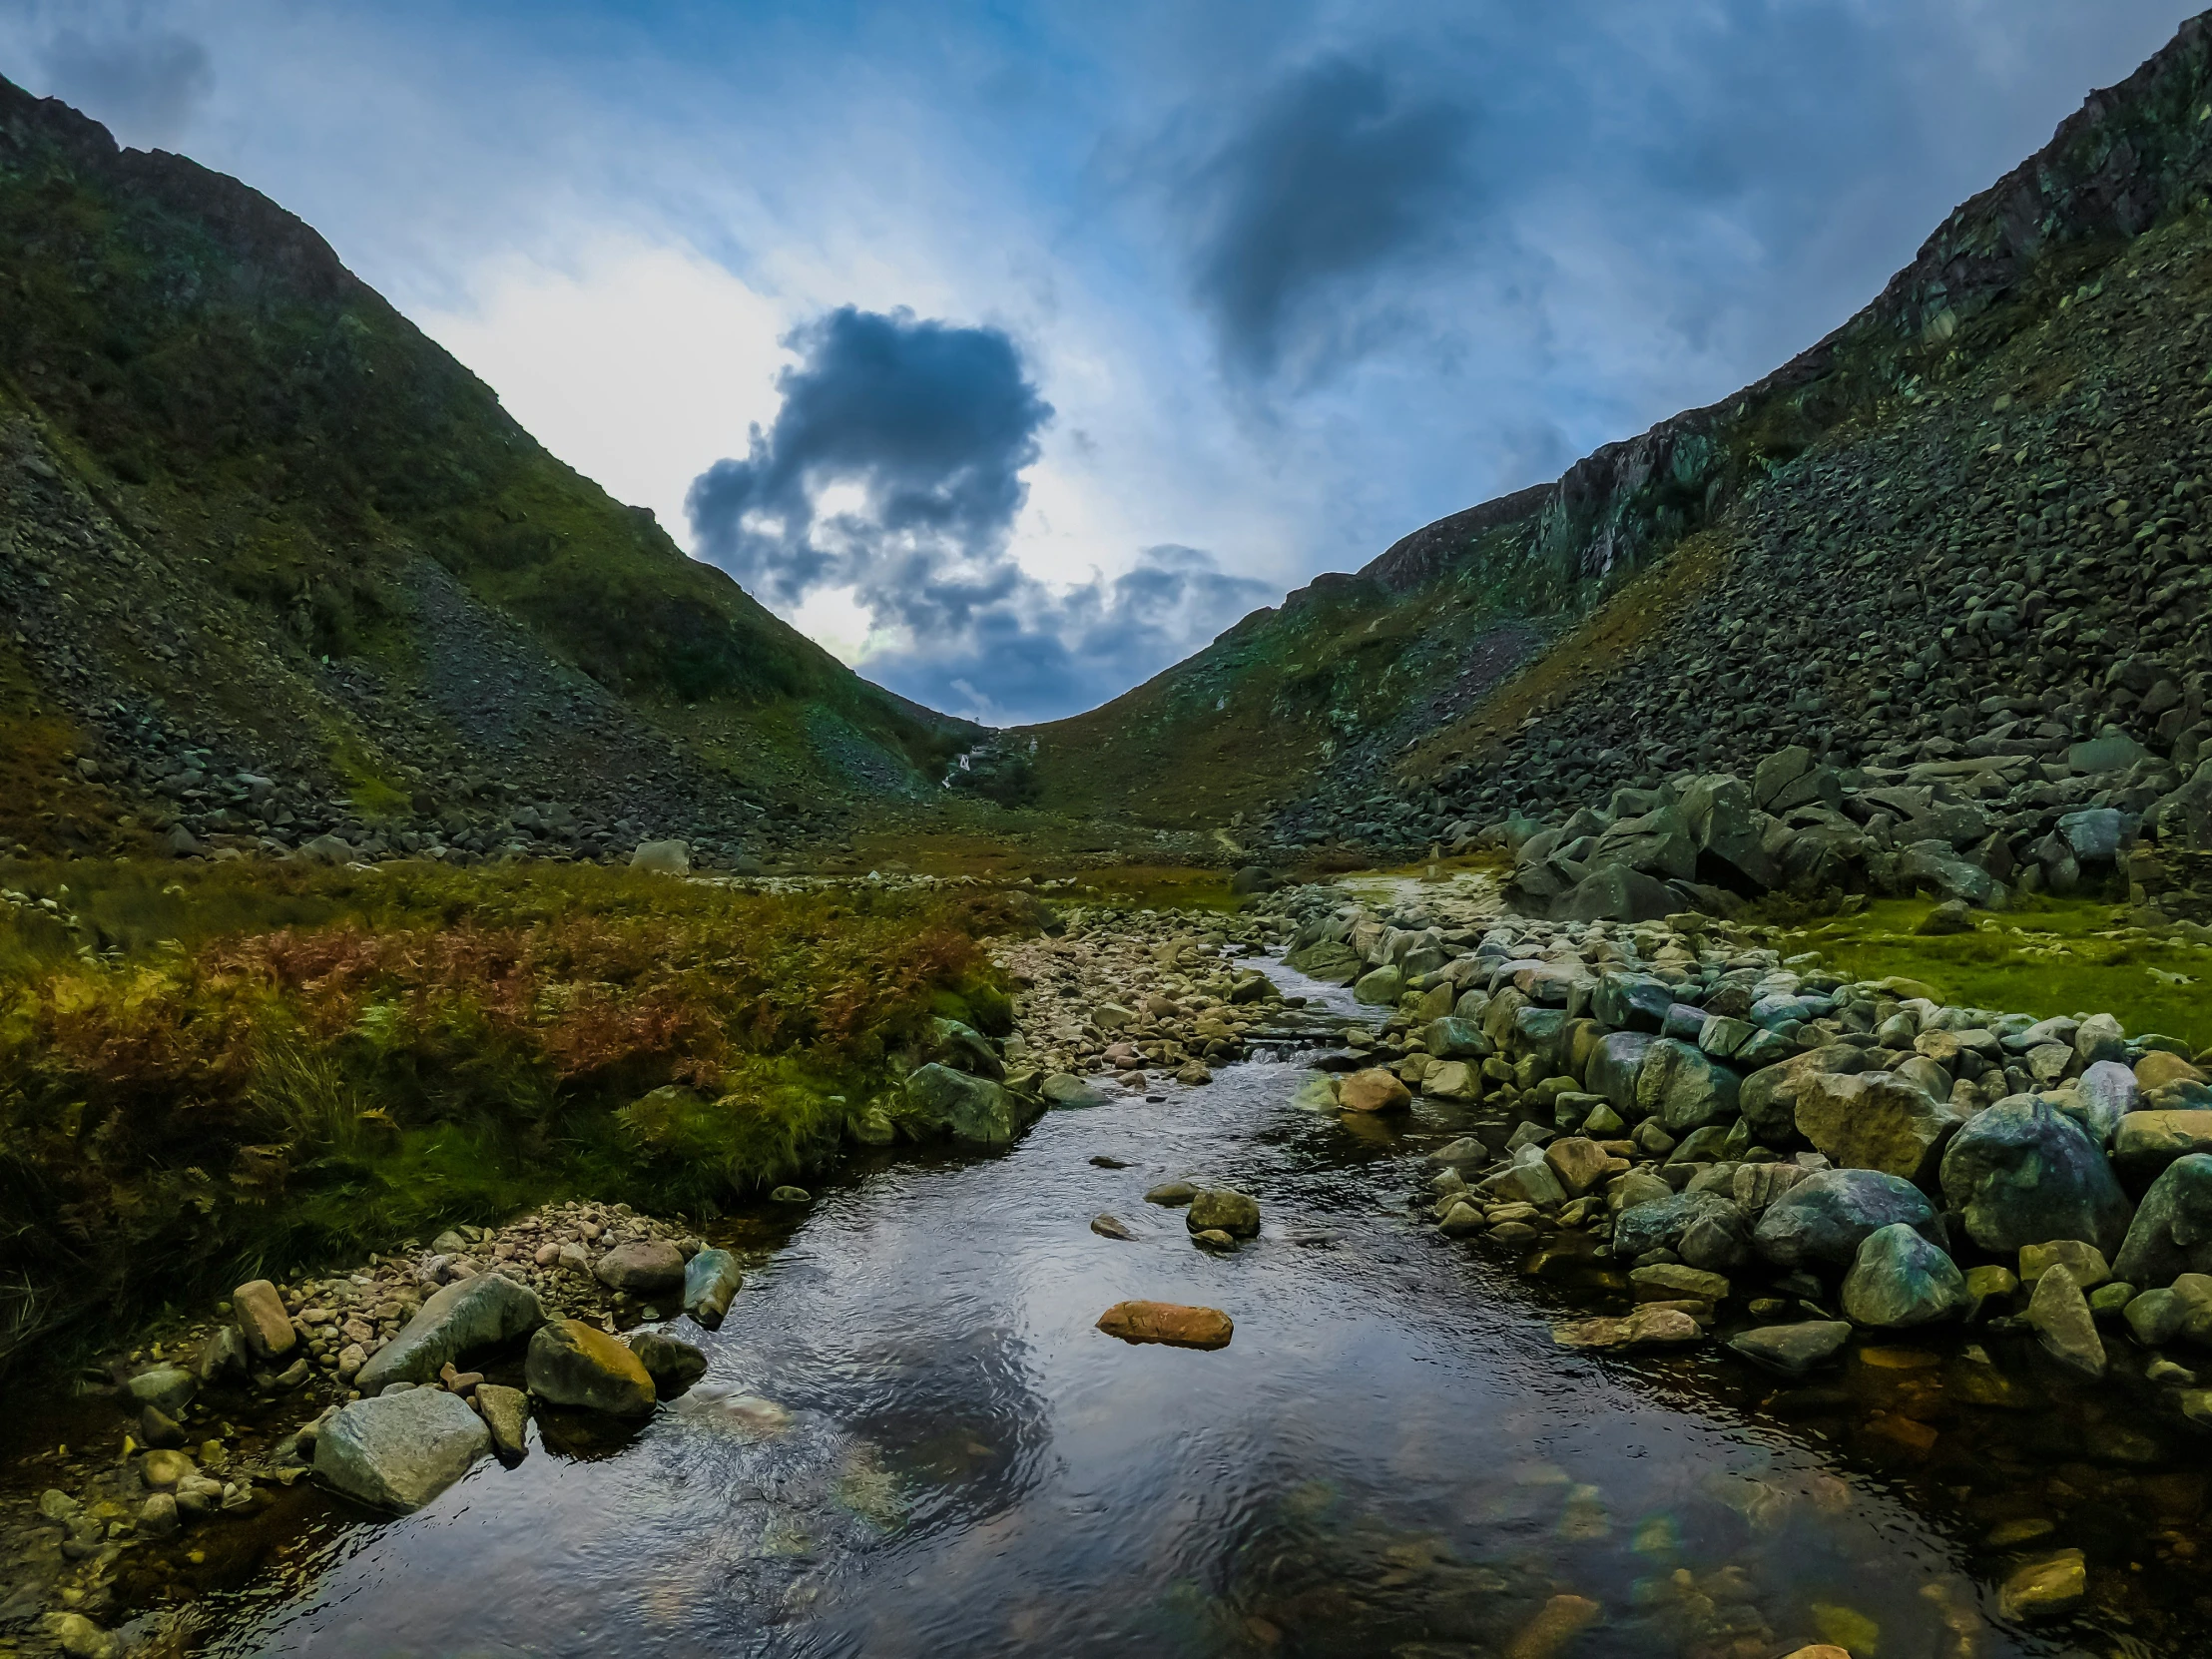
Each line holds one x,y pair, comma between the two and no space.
2045,956
237,1068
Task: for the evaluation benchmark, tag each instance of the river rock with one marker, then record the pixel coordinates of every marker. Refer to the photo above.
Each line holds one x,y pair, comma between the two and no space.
2105,1093
2063,1324
1379,986
263,1322
398,1452
164,1468
1452,1039
971,1109
1875,1120
1660,1223
1373,1090
1675,1282
1172,1193
1064,1091
1821,1222
2021,1173
1581,1163
2146,1142
2045,1589
1108,1226
1651,1326
674,1365
573,1364
1171,1323
2084,1261
80,1638
1454,1080
1793,1350
1614,1067
468,1314
2172,1231
1684,1088
1233,1213
711,1281
506,1414
643,1267
222,1355
1899,1280
166,1389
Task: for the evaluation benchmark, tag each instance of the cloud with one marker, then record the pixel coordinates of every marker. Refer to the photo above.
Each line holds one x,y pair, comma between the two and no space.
144,83
1335,175
891,478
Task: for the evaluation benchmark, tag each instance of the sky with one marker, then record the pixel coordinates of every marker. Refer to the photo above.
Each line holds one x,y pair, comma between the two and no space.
1015,349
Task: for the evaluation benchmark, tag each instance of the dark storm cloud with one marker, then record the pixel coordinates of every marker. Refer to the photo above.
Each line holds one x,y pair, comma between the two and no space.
144,83
1334,175
895,469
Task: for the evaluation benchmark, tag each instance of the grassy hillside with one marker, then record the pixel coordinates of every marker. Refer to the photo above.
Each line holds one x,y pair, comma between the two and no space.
193,381
1708,589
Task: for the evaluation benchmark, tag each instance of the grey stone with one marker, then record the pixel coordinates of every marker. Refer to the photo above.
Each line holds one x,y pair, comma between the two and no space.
1684,1088
1793,1350
1657,844
643,1267
1632,1003
468,1314
662,857
674,1365
2172,1230
2092,835
506,1414
2100,1037
2021,1173
1064,1091
1614,1067
167,1388
711,1281
1454,1038
573,1364
1660,1223
2063,1324
398,1452
2106,1093
971,1109
1900,1278
1934,864
1821,1222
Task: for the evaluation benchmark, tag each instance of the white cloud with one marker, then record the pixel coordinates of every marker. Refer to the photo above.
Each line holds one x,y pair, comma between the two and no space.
638,365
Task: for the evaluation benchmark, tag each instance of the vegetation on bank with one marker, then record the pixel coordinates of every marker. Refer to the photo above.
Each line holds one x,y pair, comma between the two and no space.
2045,956
210,1072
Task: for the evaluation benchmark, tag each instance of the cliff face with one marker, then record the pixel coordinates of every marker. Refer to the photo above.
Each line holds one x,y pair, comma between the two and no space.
360,572
1342,710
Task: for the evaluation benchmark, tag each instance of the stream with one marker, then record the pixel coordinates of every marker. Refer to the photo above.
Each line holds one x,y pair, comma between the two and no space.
912,1440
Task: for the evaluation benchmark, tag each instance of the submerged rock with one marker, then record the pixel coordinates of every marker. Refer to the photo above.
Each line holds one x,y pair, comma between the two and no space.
1793,1350
1224,1210
399,1450
674,1365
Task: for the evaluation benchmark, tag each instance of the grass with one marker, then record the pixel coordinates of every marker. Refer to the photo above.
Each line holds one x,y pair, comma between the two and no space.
212,1073
2044,957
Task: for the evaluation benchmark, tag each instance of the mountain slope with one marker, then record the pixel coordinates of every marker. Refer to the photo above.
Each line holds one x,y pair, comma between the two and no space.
256,522
1703,589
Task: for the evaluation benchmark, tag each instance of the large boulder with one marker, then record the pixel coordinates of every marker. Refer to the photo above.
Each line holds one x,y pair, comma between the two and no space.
470,1314
1933,865
262,1318
2147,1142
1615,894
398,1452
1615,1066
1900,1278
1876,1120
1728,828
2021,1173
663,858
1632,1003
1821,1222
1684,1088
971,1109
1452,1039
711,1281
574,1364
1661,1223
643,1267
2172,1231
1657,844
2106,1093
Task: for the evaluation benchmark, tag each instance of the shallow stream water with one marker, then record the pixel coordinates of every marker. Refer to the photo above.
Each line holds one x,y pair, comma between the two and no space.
912,1440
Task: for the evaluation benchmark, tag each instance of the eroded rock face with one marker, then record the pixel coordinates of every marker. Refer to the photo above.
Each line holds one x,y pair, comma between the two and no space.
2021,1173
468,1314
1172,1323
574,1364
398,1452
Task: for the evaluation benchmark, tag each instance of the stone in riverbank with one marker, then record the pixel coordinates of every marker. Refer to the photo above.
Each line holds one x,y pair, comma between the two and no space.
262,1320
468,1314
574,1364
674,1365
711,1281
2021,1172
1873,1120
1169,1323
971,1109
2172,1231
1221,1208
506,1412
398,1452
1373,1090
1793,1350
2063,1324
1822,1220
644,1267
1900,1278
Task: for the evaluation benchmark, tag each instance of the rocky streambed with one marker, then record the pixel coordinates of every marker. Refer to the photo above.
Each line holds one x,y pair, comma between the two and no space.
1487,1372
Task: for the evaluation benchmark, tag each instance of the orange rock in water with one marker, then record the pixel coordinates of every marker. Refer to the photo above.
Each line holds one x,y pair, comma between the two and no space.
1167,1322
1373,1090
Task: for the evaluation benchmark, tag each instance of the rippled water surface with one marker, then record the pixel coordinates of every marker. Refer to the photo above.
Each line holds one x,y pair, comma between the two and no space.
912,1440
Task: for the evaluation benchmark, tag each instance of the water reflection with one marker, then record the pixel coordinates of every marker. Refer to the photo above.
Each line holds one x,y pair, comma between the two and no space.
912,1440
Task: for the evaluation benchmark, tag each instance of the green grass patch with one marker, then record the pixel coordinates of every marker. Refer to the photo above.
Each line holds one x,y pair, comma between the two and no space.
2044,957
212,1072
